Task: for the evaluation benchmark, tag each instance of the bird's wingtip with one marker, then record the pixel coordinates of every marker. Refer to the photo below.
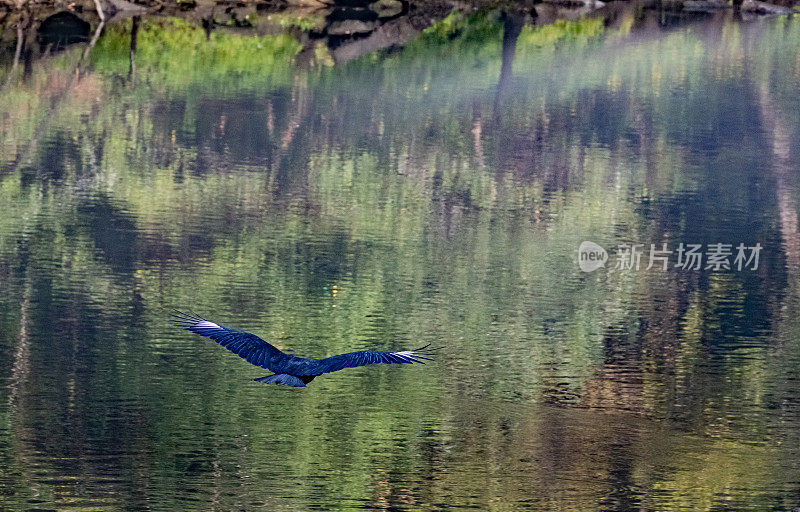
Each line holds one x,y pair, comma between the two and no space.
185,320
428,348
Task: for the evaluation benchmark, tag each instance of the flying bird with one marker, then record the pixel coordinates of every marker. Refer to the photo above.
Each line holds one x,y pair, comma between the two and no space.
287,369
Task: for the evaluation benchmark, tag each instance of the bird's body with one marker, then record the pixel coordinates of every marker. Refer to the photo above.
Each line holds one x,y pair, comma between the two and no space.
290,370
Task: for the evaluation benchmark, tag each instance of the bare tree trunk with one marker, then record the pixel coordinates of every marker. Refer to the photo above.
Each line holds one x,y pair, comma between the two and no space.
17,53
100,12
93,42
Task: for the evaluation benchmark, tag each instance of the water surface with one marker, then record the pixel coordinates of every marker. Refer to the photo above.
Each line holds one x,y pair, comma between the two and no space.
434,192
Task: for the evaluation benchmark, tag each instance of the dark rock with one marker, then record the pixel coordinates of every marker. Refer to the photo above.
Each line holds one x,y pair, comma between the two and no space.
703,5
387,8
756,7
347,27
595,4
63,29
395,33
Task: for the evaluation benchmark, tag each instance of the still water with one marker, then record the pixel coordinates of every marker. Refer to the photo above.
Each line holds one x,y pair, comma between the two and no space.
431,192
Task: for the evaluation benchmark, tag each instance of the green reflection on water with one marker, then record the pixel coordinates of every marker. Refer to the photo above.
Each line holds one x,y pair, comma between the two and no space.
435,194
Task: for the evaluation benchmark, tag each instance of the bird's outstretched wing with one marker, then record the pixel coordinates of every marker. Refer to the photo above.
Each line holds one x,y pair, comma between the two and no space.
245,345
260,353
363,358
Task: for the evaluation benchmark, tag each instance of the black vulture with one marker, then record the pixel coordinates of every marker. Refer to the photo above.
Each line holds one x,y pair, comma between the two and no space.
291,370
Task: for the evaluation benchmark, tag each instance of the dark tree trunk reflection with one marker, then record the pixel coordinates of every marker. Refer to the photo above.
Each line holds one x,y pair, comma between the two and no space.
512,26
132,55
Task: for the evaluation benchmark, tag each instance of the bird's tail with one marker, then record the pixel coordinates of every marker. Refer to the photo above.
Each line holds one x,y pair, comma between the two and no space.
282,378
